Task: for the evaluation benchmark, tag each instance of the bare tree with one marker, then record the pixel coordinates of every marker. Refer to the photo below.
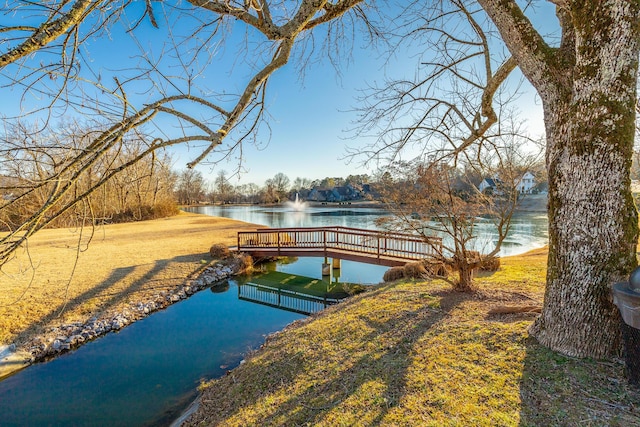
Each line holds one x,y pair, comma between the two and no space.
30,157
438,199
586,78
222,188
269,193
282,183
301,184
456,98
45,59
587,84
248,193
57,32
190,187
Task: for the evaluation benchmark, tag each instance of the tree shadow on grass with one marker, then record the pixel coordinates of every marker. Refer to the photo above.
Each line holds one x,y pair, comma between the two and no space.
366,371
557,390
106,297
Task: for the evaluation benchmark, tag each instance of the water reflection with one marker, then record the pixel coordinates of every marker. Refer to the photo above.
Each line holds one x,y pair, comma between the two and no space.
299,294
284,216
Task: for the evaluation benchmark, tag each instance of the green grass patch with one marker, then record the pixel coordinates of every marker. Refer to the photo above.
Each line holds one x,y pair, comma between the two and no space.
302,284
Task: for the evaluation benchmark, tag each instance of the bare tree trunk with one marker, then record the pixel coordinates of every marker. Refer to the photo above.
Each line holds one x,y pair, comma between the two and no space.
588,90
465,276
593,222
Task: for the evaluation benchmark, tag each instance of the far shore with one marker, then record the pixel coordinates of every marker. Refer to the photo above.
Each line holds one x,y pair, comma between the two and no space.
528,203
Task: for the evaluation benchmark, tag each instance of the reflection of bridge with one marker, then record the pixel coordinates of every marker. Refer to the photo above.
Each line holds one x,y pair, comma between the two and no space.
354,244
286,299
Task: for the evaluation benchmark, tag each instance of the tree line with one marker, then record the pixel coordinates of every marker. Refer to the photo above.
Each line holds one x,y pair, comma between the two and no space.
192,187
122,186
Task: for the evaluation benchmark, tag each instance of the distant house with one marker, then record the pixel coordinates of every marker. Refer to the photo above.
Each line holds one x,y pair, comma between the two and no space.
370,192
489,185
320,195
526,184
346,192
335,194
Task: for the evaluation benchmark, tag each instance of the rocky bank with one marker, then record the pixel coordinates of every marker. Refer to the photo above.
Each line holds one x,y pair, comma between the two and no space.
65,337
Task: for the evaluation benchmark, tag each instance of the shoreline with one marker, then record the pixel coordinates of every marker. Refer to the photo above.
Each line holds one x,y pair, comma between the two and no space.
534,203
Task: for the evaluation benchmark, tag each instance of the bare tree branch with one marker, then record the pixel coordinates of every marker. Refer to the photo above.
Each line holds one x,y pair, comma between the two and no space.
48,31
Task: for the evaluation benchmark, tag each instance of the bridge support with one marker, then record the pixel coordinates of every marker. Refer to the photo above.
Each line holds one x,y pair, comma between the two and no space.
333,269
326,268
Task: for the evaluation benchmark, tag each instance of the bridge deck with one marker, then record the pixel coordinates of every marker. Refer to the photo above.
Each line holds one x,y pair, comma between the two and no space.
372,247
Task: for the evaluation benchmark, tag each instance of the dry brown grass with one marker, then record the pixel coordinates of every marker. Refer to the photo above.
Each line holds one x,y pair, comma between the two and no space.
124,263
219,251
414,270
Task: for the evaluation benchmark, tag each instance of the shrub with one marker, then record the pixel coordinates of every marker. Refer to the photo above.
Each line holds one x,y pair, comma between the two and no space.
353,288
436,268
414,270
394,273
165,209
219,251
490,264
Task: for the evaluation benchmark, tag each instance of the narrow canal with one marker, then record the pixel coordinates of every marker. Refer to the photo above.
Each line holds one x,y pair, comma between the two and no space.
147,373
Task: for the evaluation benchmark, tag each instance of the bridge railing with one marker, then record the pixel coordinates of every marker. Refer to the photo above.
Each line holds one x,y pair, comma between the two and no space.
380,243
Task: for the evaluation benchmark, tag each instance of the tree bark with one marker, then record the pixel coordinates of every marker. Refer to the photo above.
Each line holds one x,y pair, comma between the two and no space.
588,89
465,279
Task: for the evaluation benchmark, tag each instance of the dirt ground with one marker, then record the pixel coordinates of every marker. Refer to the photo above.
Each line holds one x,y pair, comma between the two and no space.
66,276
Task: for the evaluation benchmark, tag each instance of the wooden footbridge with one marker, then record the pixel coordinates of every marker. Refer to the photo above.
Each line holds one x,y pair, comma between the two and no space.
353,244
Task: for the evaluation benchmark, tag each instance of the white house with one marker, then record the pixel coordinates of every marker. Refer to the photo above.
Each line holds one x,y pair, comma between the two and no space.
526,183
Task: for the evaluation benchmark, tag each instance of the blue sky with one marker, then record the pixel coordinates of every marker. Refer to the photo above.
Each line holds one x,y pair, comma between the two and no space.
307,144
308,117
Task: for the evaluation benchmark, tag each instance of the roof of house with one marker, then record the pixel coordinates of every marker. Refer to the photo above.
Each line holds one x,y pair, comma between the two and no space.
491,182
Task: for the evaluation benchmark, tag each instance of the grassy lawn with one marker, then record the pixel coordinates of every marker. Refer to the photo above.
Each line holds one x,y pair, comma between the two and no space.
401,354
417,353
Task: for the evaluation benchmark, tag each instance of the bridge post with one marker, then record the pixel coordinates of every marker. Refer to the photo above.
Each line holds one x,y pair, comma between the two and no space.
324,244
326,267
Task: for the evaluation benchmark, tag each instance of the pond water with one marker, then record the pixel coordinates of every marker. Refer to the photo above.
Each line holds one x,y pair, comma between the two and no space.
147,373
